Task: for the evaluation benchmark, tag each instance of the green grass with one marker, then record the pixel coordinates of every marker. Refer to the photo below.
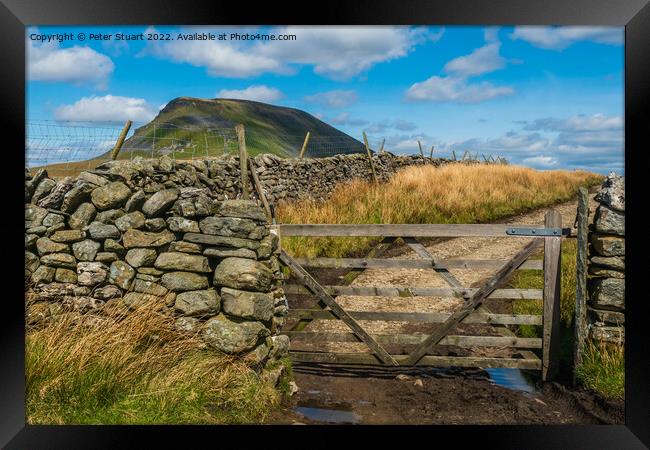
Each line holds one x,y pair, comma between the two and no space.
136,369
603,367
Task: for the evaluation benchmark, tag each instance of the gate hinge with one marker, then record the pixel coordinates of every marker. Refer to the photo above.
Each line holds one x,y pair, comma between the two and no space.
538,231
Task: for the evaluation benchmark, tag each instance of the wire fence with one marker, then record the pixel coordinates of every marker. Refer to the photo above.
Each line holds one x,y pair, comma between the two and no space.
71,147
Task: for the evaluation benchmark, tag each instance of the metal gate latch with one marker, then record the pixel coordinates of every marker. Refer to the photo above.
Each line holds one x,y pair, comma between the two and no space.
538,231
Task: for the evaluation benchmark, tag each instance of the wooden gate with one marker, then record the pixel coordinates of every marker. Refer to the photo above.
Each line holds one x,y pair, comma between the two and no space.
417,349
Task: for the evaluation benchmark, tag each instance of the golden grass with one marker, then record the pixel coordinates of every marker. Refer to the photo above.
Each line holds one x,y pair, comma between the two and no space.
455,193
135,368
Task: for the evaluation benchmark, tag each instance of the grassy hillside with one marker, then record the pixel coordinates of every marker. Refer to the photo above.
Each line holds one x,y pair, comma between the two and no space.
187,126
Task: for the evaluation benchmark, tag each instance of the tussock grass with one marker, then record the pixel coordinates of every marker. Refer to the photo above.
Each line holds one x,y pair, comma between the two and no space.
603,369
135,368
455,193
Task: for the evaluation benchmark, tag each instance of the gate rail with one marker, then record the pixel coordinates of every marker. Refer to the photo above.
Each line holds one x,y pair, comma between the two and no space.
416,349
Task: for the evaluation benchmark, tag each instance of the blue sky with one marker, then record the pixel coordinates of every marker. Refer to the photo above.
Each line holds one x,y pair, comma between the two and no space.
545,97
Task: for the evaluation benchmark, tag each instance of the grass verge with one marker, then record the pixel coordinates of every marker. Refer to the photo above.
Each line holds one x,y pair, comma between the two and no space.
135,368
454,193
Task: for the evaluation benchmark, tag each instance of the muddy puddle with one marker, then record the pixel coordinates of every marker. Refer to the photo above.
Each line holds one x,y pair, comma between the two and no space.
327,415
513,379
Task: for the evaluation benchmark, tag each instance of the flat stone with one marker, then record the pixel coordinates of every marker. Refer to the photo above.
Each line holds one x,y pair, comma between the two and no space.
30,241
111,245
79,193
232,337
159,202
268,245
247,305
109,216
184,281
187,324
121,274
605,316
233,227
138,257
43,190
68,236
40,230
195,207
55,291
197,303
156,224
612,192
98,230
605,273
59,260
608,334
225,252
134,300
221,241
65,276
150,271
43,274
31,261
91,273
53,219
55,198
83,216
136,238
245,209
149,287
106,257
136,201
181,224
93,178
185,247
608,245
107,292
145,277
134,219
35,214
85,250
45,246
182,262
612,262
112,195
607,220
242,273
605,293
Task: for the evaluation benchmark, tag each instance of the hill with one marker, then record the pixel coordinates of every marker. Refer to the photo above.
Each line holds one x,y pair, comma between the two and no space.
188,127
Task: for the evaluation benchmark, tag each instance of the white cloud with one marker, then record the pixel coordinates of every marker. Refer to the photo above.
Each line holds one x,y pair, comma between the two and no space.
108,108
595,122
452,89
558,38
334,52
258,93
345,119
540,161
77,65
384,125
482,60
339,98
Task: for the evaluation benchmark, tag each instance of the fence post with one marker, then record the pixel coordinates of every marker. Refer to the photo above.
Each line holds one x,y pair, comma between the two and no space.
243,159
551,320
454,153
372,164
420,146
381,149
304,145
579,321
431,153
120,140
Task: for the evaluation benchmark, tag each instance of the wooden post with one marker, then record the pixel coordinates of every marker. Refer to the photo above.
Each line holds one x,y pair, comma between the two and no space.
372,164
381,149
431,153
551,321
580,319
243,158
420,146
258,188
454,154
304,145
464,154
120,140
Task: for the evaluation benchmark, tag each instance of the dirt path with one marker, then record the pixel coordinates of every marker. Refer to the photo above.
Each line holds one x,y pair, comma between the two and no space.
426,395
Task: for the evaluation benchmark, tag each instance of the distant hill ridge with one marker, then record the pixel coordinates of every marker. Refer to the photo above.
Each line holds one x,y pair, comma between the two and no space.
197,123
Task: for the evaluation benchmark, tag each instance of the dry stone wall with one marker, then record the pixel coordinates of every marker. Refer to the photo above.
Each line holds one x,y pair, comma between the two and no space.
606,282
177,231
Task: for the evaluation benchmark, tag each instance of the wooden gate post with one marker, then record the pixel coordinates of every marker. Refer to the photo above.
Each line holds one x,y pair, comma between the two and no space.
120,140
580,318
243,160
304,145
551,320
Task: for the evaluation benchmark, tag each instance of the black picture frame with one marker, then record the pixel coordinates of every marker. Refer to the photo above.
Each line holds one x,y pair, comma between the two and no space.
16,14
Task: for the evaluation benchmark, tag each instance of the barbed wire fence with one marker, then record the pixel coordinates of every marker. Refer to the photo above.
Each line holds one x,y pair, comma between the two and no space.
70,147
